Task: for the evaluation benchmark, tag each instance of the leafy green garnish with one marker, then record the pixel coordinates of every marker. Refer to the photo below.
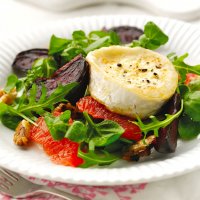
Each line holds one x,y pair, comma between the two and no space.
57,125
192,105
189,124
45,102
28,106
103,133
156,124
77,132
194,85
12,80
57,44
10,120
92,158
94,134
187,128
43,67
97,134
81,43
182,67
152,38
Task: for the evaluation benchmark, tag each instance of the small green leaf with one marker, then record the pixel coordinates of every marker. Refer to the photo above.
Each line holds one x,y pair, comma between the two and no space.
10,120
183,68
42,67
76,132
192,105
65,116
11,83
57,44
194,84
92,158
56,127
155,34
183,90
81,44
79,35
156,124
97,44
103,133
57,96
3,108
187,128
152,38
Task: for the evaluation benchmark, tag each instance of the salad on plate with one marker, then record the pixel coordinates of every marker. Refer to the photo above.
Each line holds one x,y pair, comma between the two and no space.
103,96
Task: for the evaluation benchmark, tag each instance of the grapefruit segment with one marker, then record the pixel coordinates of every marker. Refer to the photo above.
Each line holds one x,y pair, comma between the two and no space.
63,152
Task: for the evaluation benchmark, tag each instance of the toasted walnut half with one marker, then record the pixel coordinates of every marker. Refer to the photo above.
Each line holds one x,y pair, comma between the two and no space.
8,98
22,133
2,92
140,149
68,106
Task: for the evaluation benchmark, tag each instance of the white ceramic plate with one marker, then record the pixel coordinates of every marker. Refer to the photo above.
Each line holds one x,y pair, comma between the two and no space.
34,162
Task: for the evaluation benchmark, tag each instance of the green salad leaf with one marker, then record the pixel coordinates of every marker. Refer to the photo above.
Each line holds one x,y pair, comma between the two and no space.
42,67
96,158
152,38
192,105
77,132
189,123
194,85
187,128
28,105
103,133
81,43
156,124
97,134
10,120
182,67
57,44
57,125
45,102
12,80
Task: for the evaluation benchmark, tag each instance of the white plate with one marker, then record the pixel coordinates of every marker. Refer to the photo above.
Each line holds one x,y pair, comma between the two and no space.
34,162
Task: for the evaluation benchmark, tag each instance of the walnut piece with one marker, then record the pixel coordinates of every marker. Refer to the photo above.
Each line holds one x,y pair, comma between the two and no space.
2,92
8,98
22,133
68,106
140,149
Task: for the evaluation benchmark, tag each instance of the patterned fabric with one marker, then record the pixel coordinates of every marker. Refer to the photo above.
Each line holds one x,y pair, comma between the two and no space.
125,192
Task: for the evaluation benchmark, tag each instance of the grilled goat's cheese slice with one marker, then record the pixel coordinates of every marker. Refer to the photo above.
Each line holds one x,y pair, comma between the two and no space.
131,81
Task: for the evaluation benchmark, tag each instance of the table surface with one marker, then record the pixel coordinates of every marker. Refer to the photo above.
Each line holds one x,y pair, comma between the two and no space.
16,16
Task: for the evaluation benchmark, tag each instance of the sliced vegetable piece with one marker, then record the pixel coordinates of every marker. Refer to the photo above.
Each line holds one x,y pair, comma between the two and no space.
25,59
127,33
166,142
74,71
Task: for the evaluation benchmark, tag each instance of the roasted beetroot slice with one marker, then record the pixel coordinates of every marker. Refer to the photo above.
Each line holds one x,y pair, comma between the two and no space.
167,140
24,60
127,33
77,70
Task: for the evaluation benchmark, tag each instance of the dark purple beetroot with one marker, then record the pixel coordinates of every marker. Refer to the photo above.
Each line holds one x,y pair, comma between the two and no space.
77,70
24,60
167,140
127,33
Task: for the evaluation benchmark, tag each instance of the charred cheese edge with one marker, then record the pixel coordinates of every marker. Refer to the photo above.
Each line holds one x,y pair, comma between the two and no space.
131,81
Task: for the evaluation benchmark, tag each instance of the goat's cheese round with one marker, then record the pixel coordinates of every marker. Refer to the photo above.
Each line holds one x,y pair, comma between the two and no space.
131,81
